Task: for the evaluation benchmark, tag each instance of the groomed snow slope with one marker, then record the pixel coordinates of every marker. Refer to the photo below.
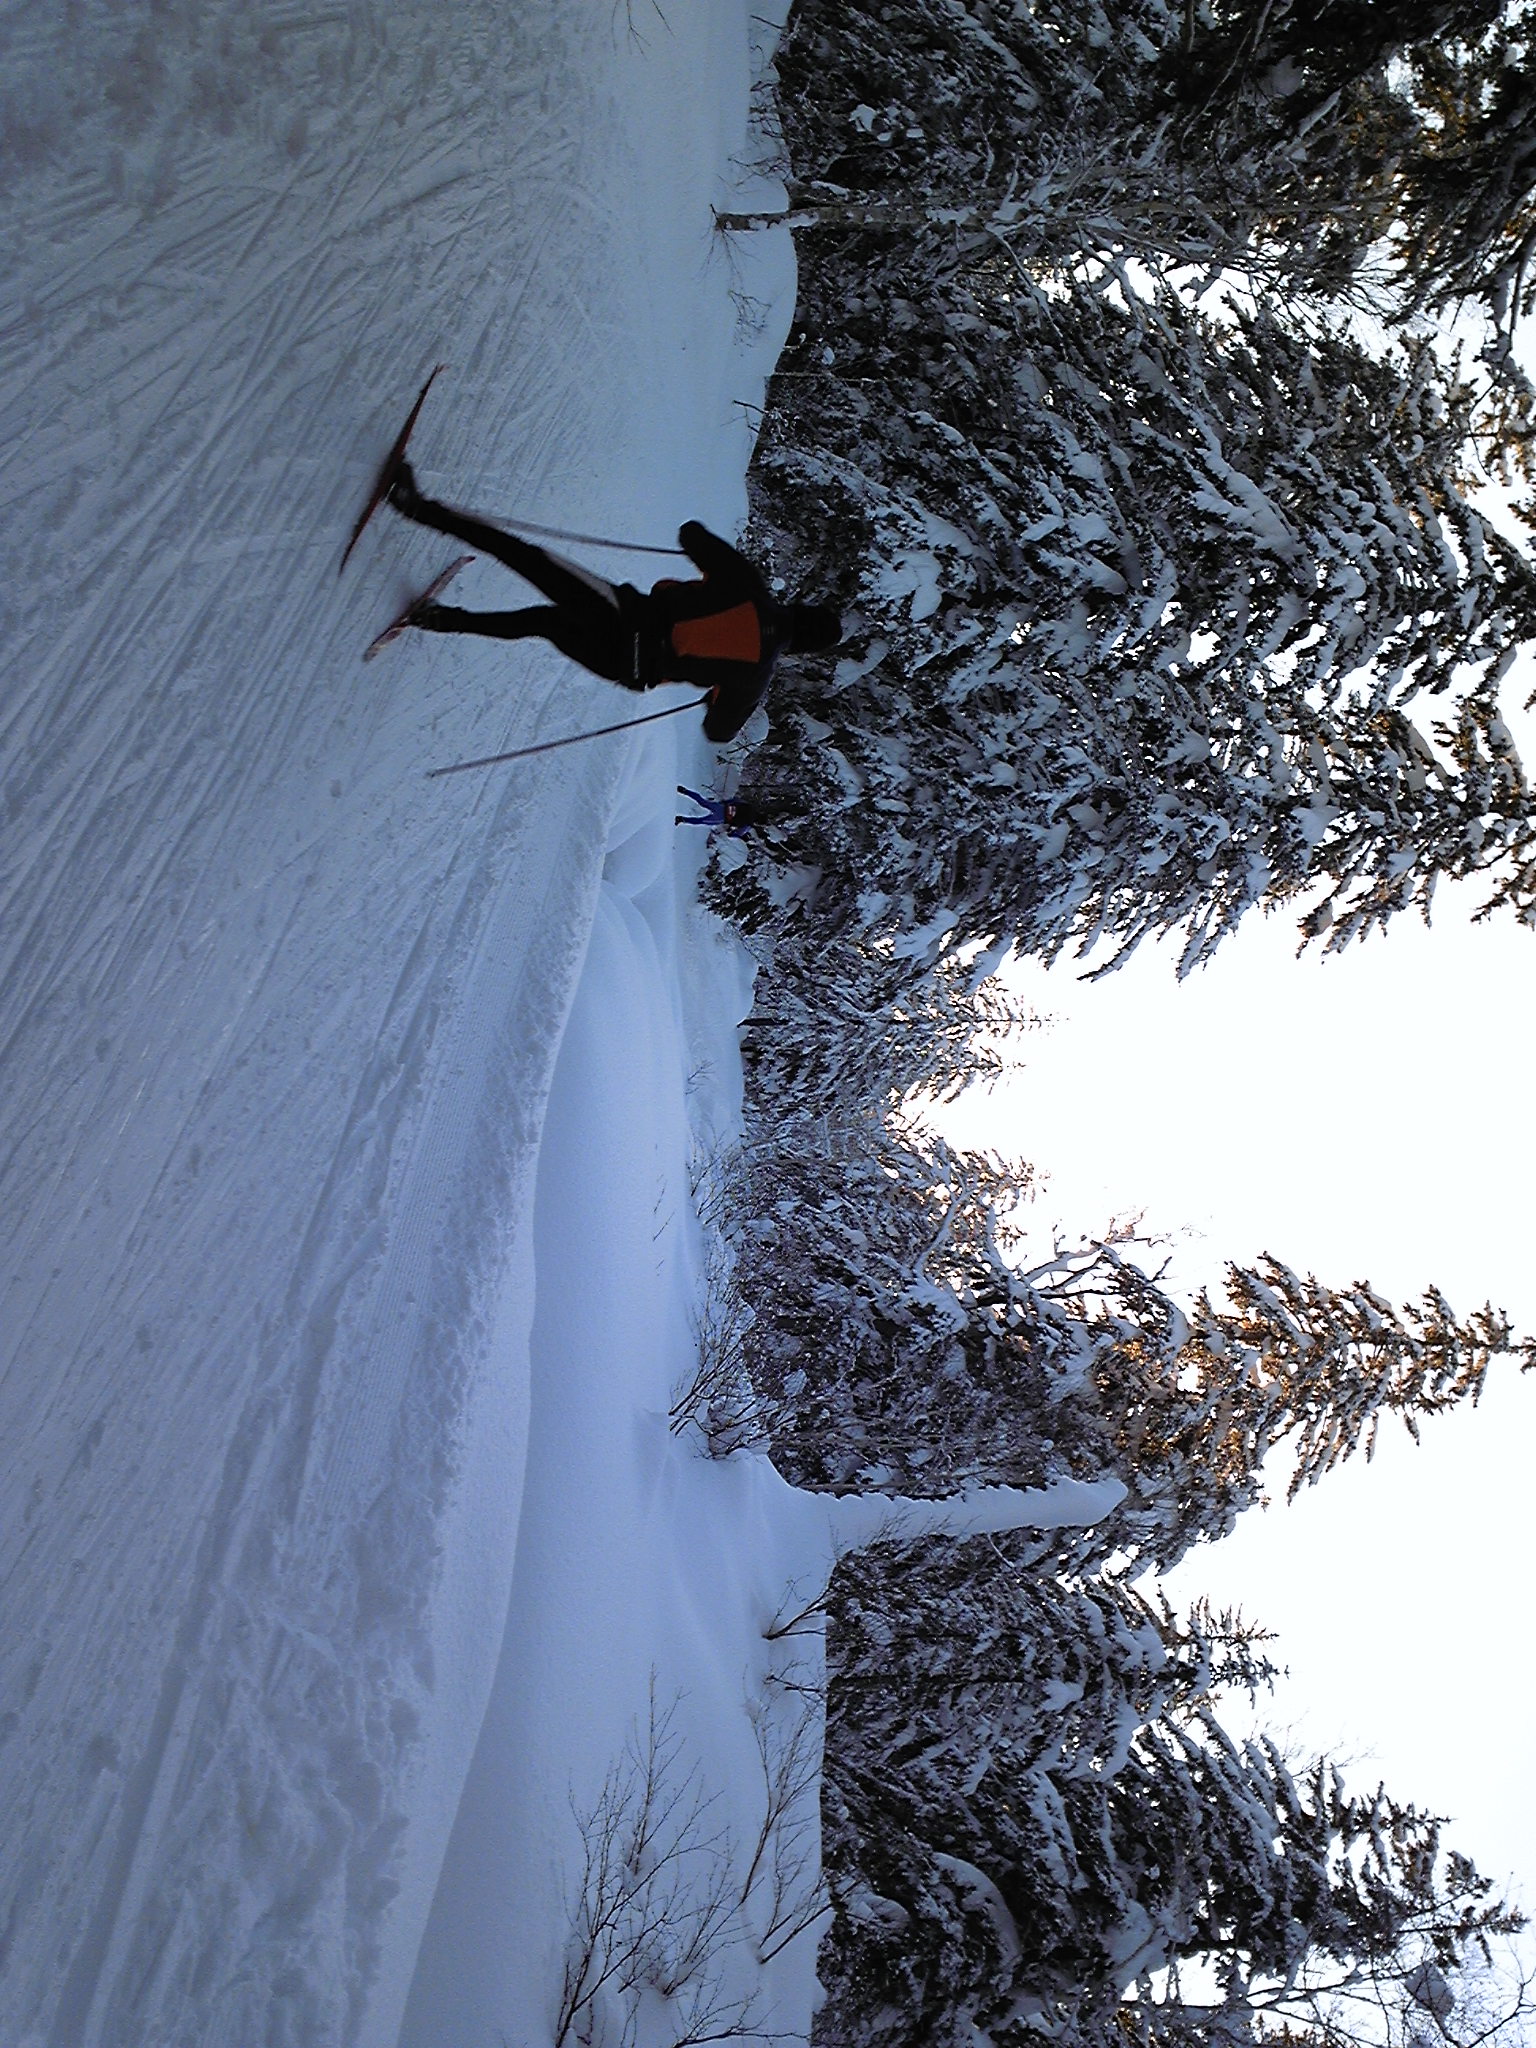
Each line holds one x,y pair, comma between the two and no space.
278,1017
352,1122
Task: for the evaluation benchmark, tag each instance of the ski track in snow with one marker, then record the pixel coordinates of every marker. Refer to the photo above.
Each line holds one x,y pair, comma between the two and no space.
277,1016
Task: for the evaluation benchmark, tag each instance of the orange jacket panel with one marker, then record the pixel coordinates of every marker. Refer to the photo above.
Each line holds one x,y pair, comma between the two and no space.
734,635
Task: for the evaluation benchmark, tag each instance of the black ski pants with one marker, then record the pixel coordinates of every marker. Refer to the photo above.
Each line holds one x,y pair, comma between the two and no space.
586,619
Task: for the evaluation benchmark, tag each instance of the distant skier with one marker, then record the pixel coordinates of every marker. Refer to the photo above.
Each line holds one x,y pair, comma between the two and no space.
724,634
732,815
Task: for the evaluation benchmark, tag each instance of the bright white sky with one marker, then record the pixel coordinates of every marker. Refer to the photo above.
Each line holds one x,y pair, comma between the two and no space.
1372,1115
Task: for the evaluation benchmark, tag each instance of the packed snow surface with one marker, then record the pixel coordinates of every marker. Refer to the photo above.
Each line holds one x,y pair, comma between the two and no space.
279,1018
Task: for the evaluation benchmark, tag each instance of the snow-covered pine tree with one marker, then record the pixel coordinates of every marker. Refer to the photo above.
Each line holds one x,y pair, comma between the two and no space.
856,1046
967,1691
1206,1409
876,1372
1169,615
1035,1815
897,1345
1423,109
1322,1366
962,129
1285,141
1152,598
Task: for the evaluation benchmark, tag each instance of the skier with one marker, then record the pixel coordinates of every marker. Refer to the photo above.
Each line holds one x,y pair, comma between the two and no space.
723,634
732,815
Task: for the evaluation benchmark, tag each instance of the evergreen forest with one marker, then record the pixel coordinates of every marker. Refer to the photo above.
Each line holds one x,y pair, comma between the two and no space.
1154,411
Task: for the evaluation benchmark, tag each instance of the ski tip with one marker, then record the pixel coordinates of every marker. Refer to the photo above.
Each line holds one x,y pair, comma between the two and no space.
389,467
402,620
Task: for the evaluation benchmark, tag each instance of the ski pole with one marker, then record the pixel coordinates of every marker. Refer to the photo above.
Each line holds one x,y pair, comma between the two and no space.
570,739
590,540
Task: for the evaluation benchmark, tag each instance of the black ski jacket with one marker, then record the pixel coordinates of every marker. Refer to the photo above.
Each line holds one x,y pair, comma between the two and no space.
723,634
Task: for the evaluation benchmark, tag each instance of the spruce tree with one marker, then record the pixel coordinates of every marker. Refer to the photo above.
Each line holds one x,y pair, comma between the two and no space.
1170,615
1037,1824
897,1344
1170,595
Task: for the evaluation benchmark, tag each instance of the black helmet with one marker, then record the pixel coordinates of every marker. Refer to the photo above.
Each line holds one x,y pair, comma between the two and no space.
813,627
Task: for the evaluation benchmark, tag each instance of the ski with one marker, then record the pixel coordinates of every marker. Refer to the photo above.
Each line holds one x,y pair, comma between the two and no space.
389,469
398,624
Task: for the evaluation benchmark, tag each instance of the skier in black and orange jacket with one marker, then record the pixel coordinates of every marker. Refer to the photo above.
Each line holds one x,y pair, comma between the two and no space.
723,633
